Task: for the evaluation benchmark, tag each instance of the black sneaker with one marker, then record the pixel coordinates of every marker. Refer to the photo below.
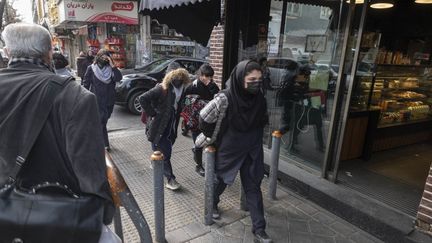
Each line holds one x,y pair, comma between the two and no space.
216,214
262,237
200,170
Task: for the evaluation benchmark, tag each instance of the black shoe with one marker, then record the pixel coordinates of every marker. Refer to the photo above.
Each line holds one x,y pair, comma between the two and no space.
200,170
216,214
107,148
262,237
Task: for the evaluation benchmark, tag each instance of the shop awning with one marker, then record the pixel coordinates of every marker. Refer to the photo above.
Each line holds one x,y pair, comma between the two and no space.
193,20
161,4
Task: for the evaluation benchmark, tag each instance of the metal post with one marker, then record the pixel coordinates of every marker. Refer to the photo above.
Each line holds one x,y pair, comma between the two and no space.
274,167
118,228
210,152
243,202
158,195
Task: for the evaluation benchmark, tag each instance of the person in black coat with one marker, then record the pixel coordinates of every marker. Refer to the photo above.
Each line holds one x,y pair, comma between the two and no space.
100,78
239,142
82,62
69,149
206,89
163,104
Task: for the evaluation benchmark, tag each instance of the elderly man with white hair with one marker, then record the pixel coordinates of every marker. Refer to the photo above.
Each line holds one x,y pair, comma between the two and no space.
69,150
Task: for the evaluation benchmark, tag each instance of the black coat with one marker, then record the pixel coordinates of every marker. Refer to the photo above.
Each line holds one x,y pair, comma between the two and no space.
82,64
105,93
158,104
205,92
70,148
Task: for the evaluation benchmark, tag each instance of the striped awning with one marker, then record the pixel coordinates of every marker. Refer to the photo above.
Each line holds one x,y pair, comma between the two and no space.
161,4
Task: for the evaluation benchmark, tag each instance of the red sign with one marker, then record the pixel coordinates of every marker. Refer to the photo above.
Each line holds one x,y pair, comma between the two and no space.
116,6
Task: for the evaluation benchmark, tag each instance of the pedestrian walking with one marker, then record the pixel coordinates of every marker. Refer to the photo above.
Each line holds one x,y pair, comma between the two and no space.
239,141
100,78
67,151
206,89
61,65
82,62
162,104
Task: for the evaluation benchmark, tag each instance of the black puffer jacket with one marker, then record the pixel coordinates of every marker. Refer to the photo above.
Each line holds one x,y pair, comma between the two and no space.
158,104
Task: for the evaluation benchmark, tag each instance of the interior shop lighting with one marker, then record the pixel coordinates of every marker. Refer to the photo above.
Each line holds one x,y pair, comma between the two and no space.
424,1
382,4
356,1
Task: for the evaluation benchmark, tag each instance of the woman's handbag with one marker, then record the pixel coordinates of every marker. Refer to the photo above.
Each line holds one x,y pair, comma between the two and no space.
49,212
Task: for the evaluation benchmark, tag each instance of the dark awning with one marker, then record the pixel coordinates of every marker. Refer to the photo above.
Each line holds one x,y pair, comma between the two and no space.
161,4
193,20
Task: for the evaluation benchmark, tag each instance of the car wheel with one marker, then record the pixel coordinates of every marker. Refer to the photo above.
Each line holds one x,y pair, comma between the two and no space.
134,105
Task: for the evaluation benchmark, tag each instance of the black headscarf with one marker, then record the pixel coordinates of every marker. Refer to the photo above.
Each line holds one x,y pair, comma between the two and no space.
245,111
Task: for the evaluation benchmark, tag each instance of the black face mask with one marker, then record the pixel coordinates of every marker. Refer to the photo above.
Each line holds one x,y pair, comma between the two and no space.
253,87
177,83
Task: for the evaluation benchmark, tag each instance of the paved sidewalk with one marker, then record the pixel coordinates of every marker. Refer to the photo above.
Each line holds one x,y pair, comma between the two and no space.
289,219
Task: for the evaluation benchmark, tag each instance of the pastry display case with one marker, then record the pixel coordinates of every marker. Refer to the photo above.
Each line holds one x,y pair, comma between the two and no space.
403,93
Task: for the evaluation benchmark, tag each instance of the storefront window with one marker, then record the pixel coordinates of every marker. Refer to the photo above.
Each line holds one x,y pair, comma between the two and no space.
303,67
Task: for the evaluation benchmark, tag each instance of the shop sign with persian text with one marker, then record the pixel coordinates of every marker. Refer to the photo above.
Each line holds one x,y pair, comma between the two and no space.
119,12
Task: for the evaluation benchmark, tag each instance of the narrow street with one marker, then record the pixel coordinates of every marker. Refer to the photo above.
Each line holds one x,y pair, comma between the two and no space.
291,218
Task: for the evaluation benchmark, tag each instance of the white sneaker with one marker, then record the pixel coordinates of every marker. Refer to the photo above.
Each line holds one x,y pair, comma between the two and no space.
172,185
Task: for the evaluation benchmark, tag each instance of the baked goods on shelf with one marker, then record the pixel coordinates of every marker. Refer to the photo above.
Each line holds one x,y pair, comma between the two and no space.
407,95
410,83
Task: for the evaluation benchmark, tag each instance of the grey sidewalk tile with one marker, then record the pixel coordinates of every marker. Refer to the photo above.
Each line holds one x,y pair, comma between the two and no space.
232,215
322,239
248,236
340,239
320,229
360,237
324,218
177,236
298,226
343,228
296,237
247,221
290,218
196,229
234,230
294,213
307,208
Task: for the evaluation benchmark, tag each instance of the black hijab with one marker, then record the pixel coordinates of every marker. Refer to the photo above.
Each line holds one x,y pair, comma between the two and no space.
245,111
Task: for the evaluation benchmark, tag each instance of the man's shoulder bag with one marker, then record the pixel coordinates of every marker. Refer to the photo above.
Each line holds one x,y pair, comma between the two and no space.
48,212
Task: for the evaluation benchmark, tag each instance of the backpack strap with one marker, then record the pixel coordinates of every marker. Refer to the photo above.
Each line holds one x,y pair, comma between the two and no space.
52,90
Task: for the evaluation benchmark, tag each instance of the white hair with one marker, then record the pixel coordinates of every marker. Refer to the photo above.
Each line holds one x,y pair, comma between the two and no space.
27,40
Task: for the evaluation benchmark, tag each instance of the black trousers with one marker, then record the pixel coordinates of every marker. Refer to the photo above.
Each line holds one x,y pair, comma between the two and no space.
254,199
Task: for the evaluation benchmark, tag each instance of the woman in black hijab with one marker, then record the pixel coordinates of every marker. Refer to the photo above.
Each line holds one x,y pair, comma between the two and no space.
240,143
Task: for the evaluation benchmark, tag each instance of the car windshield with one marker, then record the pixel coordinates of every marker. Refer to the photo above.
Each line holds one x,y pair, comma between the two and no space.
155,66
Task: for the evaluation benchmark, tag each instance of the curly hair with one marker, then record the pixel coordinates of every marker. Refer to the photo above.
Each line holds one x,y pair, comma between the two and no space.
60,61
180,73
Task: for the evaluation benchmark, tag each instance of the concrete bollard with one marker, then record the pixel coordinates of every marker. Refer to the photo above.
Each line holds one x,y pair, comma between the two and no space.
158,195
243,202
210,153
274,166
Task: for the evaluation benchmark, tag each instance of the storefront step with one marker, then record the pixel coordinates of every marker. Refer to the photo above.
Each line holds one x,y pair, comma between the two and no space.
378,219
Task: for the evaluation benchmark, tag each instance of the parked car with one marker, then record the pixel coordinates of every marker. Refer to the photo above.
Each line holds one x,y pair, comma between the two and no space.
137,81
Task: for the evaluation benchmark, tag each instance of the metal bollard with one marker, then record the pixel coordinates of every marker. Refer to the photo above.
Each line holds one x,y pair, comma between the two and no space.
274,167
243,202
158,195
210,152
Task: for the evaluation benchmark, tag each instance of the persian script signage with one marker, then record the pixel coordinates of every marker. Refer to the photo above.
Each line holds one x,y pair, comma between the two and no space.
118,12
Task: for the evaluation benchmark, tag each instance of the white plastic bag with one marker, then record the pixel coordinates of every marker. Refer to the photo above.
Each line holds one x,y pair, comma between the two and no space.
108,236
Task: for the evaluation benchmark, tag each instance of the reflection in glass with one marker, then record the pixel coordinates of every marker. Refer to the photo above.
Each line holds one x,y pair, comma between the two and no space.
302,62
